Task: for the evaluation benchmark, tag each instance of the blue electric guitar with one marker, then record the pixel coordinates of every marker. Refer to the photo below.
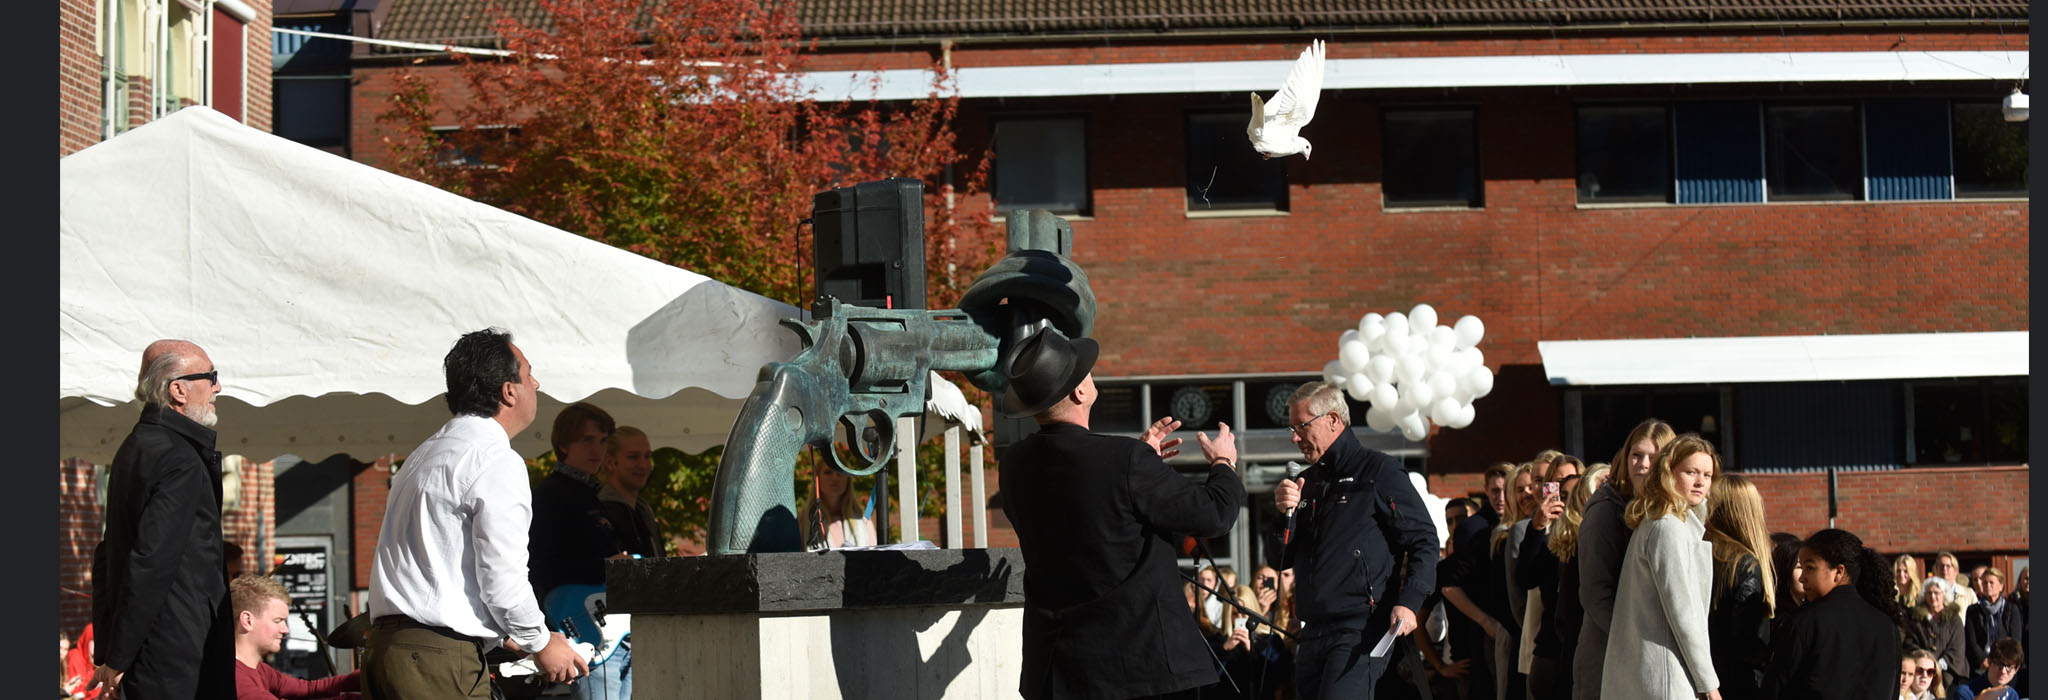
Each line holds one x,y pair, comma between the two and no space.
578,610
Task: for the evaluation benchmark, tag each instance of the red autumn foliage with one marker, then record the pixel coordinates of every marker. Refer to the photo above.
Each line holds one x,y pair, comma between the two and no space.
680,130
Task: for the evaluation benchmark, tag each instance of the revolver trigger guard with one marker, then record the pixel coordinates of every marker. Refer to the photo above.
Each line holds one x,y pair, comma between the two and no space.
885,445
803,331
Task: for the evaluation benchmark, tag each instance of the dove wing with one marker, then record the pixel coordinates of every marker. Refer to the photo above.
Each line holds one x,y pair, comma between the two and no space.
1258,119
1295,104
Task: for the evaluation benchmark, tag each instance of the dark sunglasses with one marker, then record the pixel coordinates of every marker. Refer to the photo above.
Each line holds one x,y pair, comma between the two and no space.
213,376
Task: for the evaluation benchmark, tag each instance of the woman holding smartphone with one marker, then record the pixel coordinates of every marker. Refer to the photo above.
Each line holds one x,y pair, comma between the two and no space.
1659,647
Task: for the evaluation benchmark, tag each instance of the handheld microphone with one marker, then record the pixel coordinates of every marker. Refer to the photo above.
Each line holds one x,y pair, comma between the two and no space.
1294,469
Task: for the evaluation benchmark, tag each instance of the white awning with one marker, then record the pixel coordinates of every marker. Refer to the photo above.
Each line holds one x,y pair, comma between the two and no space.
1441,72
1793,358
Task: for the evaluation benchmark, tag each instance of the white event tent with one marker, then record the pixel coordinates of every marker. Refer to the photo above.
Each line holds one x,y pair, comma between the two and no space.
327,292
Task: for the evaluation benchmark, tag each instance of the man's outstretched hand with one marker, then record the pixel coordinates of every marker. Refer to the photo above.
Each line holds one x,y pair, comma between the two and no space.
1221,449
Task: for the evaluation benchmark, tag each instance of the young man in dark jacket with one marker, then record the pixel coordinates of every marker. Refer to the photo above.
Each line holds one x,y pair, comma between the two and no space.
1360,521
1097,517
571,537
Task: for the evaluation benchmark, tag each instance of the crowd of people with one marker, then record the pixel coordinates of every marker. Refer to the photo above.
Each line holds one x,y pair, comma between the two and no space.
1659,579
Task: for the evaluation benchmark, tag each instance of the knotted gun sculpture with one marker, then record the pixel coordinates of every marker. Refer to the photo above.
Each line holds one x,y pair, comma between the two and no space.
861,366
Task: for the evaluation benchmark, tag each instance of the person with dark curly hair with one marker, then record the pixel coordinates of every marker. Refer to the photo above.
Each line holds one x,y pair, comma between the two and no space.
1840,644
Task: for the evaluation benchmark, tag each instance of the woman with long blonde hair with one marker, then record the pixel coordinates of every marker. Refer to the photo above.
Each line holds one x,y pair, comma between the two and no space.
1507,557
1603,539
1906,571
1739,623
1660,646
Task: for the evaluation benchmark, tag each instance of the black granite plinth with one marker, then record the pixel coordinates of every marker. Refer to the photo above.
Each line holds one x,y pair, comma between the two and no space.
815,581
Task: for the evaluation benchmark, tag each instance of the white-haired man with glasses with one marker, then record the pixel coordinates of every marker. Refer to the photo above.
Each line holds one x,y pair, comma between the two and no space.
160,586
1360,524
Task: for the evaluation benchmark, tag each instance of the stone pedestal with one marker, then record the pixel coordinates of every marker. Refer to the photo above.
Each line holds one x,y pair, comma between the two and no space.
944,623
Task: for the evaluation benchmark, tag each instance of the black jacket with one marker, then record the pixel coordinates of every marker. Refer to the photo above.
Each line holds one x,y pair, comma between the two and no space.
1943,635
569,537
1739,631
1097,517
1977,635
1467,569
160,592
1358,512
1538,570
1835,648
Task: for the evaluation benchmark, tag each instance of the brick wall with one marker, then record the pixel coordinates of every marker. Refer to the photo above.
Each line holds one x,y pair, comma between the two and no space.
78,530
78,77
252,524
256,55
371,488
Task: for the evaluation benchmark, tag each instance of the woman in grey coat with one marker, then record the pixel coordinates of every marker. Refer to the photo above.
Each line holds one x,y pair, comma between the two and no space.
1658,646
1603,540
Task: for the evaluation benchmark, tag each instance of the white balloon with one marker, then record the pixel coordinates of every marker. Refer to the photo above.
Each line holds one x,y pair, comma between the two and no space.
1444,410
1353,355
1373,335
1469,330
1480,381
1412,426
1462,359
1421,392
1464,418
1384,396
1412,368
1381,369
1395,343
1333,370
1379,419
1444,381
1373,317
1443,337
1436,358
1422,316
1397,324
1358,387
1404,400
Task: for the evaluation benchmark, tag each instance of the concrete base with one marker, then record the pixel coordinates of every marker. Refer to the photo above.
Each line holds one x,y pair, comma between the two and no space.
890,624
924,653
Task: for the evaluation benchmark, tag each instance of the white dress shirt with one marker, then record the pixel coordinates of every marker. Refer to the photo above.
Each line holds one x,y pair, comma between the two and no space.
452,552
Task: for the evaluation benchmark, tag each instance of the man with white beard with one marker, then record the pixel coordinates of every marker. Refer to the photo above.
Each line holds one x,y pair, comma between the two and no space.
160,585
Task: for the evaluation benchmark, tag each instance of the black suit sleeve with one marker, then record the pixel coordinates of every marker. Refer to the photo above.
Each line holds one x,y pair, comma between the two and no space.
1538,566
1405,520
1976,636
1788,660
1170,502
183,488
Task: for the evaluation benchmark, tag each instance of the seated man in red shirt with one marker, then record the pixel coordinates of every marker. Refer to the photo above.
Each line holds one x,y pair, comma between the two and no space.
260,627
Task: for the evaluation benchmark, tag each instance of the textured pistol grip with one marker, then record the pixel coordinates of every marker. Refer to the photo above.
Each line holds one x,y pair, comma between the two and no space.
753,501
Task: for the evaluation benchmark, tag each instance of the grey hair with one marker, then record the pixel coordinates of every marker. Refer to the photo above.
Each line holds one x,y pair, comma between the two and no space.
153,386
1322,397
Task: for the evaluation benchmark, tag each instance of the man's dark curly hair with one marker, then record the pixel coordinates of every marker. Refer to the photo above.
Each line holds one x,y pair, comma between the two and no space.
479,367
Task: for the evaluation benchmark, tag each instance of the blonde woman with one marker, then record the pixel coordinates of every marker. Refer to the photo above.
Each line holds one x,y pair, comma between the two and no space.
1739,623
1660,645
1919,678
835,518
1603,539
1960,595
1564,544
1906,571
1507,557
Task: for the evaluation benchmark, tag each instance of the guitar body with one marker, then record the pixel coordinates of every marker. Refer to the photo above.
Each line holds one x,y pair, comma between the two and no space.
577,610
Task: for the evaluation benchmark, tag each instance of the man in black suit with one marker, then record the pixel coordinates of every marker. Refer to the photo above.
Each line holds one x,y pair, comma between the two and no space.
160,586
1096,517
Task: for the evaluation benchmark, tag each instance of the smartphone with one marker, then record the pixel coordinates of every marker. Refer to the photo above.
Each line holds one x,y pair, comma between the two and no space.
1241,621
1269,582
1549,490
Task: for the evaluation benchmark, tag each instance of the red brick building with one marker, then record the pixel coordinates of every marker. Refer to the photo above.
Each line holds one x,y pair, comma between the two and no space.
1710,173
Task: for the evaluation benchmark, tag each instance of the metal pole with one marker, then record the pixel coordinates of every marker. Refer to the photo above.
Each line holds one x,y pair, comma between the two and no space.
953,487
1833,505
906,477
979,507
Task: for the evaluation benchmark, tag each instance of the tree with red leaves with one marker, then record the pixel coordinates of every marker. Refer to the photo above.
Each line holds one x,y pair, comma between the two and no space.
679,130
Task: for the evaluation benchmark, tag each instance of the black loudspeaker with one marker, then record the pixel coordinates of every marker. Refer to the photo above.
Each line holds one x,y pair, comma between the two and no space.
870,243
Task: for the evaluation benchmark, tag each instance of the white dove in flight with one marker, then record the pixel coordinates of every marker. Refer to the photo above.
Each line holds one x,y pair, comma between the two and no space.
1276,126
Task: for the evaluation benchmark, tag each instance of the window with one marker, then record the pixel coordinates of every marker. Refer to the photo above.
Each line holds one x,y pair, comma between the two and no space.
1907,143
1813,152
1990,153
1116,409
1041,164
1224,173
1431,158
1968,422
466,148
313,110
1624,154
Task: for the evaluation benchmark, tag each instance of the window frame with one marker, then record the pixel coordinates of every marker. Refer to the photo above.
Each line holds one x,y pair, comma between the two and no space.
1196,204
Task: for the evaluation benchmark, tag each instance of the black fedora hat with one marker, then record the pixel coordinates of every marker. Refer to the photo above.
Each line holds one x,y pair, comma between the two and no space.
1044,369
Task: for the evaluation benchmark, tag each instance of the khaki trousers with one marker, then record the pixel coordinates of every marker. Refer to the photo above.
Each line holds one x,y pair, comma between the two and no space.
406,661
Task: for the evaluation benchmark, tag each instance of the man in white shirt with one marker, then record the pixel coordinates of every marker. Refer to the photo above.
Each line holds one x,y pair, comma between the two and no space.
450,581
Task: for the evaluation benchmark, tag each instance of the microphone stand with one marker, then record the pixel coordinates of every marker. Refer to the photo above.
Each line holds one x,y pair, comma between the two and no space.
1231,600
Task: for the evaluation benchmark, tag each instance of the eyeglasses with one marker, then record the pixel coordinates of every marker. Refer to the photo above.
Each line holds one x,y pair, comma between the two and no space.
1302,426
1925,672
213,376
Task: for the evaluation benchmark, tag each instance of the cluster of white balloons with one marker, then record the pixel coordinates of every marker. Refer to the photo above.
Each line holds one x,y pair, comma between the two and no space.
1411,370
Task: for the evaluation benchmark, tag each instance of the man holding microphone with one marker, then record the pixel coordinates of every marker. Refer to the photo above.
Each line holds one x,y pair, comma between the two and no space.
1360,531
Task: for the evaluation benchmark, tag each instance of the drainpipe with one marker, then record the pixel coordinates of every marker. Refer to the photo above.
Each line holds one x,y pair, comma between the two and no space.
109,59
